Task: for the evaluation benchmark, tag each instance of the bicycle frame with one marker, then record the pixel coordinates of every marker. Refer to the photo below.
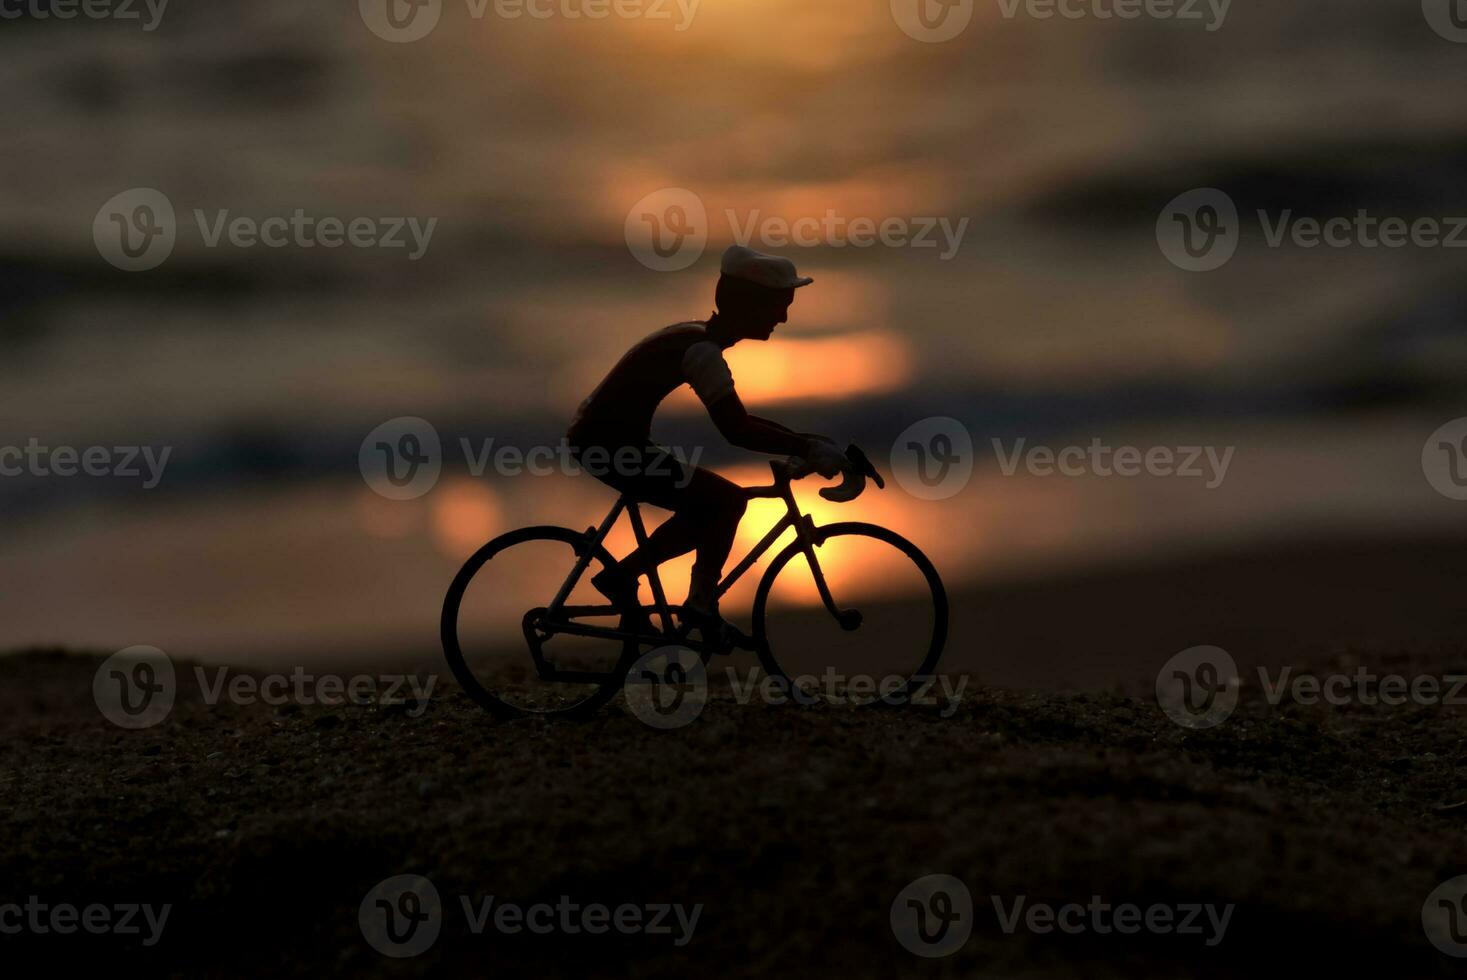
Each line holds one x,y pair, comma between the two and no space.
560,617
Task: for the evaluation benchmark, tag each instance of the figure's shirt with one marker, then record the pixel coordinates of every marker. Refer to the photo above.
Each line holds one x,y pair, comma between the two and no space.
619,411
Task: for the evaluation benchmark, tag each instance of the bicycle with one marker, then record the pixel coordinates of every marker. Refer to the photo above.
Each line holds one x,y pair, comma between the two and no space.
577,691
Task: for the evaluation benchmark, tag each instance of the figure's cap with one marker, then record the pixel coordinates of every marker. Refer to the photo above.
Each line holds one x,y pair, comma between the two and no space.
769,271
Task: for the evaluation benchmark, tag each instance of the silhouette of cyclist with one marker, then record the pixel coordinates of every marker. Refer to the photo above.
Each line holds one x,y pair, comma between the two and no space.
753,296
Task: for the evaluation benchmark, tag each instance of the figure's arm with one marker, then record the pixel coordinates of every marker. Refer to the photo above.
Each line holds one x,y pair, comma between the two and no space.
751,432
803,435
704,367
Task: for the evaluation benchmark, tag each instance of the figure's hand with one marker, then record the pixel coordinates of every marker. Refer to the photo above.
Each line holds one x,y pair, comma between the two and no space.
824,458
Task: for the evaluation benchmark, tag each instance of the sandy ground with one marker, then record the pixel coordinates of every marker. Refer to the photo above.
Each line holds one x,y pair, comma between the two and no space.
264,828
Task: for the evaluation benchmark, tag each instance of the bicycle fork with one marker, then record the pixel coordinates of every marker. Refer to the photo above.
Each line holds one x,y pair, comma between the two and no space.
849,619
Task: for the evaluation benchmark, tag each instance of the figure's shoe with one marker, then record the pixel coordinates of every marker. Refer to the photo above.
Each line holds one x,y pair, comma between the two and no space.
718,634
620,589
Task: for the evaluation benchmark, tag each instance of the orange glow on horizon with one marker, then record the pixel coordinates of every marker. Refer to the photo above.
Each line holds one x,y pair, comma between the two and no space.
829,367
466,513
820,368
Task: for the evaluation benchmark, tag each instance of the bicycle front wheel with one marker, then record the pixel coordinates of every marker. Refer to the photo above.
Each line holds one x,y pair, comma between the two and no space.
503,647
894,621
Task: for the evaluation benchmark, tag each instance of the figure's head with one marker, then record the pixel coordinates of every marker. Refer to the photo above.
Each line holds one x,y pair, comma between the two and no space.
753,311
755,291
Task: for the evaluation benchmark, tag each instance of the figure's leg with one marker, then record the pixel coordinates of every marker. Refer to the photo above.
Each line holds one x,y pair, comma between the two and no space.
721,507
659,479
725,504
706,512
675,536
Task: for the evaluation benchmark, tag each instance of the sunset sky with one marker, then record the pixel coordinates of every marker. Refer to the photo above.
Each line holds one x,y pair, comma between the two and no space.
1051,144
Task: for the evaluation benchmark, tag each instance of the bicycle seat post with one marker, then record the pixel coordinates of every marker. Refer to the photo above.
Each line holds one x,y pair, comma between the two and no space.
594,537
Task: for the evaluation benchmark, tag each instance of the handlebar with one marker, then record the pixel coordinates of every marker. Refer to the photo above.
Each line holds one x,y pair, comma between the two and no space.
851,487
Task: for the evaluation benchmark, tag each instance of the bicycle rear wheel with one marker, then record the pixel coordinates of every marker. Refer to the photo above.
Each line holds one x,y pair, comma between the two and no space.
895,630
514,663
